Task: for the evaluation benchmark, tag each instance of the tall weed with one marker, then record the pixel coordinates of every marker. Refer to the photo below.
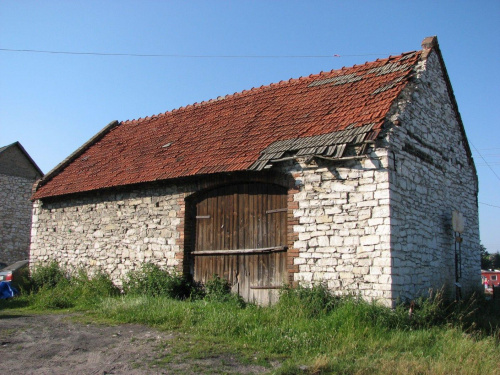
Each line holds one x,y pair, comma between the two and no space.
91,290
306,302
78,290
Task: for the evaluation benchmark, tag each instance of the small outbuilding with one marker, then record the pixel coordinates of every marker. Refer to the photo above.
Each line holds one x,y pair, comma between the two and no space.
490,279
348,178
18,172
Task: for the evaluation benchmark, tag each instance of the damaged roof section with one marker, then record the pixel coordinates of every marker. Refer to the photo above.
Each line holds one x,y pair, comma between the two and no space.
332,145
320,114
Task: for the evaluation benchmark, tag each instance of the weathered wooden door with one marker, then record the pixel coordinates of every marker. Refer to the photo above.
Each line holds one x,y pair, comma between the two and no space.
241,235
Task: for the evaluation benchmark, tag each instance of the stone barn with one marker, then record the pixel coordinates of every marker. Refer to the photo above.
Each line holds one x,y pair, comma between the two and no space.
347,178
18,172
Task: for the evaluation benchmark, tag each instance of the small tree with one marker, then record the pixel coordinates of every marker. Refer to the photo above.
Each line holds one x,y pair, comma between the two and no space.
486,262
495,261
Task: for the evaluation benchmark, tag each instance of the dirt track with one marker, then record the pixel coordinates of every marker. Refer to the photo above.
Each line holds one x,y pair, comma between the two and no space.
56,344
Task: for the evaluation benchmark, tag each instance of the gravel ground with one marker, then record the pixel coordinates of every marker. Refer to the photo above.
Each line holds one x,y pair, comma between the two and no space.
58,344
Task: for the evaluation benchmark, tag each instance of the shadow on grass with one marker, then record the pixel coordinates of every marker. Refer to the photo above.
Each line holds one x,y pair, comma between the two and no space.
13,303
6,316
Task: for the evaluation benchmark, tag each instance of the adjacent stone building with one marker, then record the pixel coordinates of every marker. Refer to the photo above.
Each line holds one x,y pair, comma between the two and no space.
18,172
347,178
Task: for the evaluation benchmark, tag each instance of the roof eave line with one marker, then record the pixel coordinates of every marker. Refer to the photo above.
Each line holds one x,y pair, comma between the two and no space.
74,155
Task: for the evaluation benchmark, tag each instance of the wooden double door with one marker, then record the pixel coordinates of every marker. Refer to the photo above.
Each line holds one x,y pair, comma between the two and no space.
241,235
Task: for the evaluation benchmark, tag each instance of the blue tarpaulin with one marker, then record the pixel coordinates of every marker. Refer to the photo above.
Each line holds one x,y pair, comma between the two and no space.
6,290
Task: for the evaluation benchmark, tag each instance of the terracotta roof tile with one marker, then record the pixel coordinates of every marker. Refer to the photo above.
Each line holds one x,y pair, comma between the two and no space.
230,133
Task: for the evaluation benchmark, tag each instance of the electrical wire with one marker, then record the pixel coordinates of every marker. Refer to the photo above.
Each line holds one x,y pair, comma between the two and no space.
489,166
487,204
188,56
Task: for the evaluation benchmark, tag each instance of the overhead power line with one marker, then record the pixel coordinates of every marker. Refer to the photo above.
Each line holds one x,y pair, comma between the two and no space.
487,204
489,166
491,148
187,55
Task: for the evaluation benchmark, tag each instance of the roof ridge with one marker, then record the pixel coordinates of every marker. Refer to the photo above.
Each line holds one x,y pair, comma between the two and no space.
262,87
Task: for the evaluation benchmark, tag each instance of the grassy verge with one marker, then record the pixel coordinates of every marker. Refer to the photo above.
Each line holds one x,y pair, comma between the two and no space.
307,332
348,339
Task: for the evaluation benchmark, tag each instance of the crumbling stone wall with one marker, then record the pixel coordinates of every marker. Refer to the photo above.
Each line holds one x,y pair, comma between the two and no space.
15,218
430,176
110,231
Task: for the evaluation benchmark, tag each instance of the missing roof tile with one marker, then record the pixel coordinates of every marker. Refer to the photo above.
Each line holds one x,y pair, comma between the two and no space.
388,68
408,56
339,80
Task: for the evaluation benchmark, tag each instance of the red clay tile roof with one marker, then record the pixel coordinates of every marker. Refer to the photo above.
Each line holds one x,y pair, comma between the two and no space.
229,134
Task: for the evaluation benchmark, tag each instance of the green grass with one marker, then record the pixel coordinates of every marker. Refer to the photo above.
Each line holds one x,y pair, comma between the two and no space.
307,332
347,339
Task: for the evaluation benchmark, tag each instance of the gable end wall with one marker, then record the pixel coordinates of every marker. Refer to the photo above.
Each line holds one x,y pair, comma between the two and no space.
13,162
15,217
430,177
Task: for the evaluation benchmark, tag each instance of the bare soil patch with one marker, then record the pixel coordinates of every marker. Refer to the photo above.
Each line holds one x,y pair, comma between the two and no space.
58,344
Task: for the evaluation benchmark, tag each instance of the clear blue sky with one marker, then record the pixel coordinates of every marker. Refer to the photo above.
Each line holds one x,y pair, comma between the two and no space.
53,103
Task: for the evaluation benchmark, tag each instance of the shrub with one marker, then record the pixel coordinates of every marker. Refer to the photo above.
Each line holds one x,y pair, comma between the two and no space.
217,288
60,296
47,276
151,280
78,290
92,290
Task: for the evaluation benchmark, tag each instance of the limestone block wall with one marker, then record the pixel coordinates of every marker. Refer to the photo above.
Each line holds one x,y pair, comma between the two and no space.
15,217
430,176
344,227
115,231
339,226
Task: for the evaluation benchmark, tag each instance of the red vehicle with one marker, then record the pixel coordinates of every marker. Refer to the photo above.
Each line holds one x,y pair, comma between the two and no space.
490,279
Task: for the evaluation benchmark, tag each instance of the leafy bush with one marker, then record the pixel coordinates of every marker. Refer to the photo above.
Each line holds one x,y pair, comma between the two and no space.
23,281
217,289
47,276
78,290
151,280
90,291
60,296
